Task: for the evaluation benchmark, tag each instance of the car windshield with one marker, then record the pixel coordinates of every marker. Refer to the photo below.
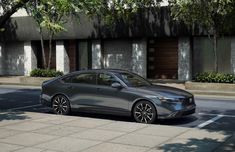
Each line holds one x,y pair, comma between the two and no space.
132,80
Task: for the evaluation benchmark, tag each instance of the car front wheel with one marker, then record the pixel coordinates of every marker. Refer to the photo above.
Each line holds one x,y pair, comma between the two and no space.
144,112
60,105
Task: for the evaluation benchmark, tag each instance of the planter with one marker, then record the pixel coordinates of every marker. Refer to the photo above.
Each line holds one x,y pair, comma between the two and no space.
33,80
225,87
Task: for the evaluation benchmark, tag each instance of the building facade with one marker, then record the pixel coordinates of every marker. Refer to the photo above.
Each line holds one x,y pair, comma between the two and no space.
153,46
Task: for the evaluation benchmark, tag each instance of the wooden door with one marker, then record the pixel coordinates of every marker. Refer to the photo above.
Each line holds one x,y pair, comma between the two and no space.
163,58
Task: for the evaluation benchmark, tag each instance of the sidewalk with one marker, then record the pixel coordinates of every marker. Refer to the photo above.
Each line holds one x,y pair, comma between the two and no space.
37,132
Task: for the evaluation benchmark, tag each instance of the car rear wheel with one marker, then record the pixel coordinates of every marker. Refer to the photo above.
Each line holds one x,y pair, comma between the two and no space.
144,112
61,105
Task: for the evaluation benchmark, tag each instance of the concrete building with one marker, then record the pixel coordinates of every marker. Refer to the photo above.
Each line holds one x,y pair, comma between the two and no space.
154,47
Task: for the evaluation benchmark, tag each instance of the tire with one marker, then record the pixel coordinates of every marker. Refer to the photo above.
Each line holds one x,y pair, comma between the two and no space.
144,112
61,105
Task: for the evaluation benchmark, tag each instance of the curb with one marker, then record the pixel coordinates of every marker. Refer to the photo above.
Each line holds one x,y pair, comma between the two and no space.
212,93
20,84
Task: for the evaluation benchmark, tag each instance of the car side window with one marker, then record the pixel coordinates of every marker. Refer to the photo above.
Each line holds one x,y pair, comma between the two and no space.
105,79
67,79
84,78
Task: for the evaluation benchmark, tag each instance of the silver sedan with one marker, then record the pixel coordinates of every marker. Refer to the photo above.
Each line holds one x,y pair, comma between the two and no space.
117,92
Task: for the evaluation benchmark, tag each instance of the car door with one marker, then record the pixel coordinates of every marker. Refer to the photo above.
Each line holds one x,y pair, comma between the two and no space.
81,89
111,99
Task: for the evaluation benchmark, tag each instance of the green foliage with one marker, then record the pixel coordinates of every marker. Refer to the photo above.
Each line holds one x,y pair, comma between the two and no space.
209,14
113,10
213,77
45,73
51,14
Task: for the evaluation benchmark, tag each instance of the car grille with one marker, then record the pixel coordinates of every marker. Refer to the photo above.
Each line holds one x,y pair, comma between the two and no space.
187,101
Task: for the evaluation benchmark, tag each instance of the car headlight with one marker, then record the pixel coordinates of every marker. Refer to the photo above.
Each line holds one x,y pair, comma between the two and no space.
161,98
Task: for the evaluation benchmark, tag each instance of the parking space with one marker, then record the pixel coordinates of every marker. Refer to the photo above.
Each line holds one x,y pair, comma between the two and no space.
220,123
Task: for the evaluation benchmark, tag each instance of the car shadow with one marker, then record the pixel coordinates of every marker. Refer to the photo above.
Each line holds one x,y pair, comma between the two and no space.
177,121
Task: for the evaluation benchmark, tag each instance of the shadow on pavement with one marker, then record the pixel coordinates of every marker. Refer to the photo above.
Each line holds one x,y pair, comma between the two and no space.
194,144
11,98
7,115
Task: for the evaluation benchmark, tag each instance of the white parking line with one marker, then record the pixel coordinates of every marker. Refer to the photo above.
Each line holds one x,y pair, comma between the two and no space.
209,121
210,114
19,108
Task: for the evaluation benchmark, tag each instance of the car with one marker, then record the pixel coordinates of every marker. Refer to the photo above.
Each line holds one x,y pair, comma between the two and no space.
117,92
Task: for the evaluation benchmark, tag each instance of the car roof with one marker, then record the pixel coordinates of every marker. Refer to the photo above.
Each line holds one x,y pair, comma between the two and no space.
102,70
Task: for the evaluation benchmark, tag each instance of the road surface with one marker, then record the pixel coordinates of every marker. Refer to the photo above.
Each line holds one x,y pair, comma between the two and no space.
212,113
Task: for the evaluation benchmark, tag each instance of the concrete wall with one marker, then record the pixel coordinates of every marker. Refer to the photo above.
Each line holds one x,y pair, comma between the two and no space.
118,54
233,55
62,58
30,59
184,59
203,56
14,58
139,57
96,54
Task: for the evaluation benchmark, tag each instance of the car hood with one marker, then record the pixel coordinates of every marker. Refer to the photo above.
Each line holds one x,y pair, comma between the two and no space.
165,91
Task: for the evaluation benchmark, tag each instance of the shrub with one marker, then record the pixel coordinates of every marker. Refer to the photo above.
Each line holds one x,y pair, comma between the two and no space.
214,77
45,73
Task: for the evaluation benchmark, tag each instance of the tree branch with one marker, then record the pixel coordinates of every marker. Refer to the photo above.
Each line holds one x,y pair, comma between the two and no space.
6,15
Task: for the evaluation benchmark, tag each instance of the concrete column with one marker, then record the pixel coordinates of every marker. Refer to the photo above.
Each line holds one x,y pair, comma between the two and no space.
96,54
62,58
1,59
184,59
30,59
139,57
233,55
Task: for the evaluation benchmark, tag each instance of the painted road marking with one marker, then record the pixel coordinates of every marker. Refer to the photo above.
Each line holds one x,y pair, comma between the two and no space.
210,114
20,108
209,121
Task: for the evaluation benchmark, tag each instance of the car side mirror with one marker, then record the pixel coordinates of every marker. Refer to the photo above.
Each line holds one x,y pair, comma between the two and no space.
116,85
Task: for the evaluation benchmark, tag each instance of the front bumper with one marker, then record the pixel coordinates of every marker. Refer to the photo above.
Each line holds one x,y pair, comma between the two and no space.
178,114
175,109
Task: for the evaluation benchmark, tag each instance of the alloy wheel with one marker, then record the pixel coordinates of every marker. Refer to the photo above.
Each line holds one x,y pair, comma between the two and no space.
144,112
61,105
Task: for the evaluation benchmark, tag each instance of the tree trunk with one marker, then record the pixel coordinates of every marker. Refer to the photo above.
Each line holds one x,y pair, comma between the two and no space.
215,51
6,15
43,50
50,51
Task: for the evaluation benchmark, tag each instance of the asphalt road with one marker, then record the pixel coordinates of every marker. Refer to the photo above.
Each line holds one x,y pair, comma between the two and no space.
212,113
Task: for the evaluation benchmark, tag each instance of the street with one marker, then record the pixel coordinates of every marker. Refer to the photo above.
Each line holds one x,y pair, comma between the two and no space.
213,114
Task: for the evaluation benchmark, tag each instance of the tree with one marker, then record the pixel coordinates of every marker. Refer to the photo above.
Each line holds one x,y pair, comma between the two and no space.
9,7
210,15
34,9
50,16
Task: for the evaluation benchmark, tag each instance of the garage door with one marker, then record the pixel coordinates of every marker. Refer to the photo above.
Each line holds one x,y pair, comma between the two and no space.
163,59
